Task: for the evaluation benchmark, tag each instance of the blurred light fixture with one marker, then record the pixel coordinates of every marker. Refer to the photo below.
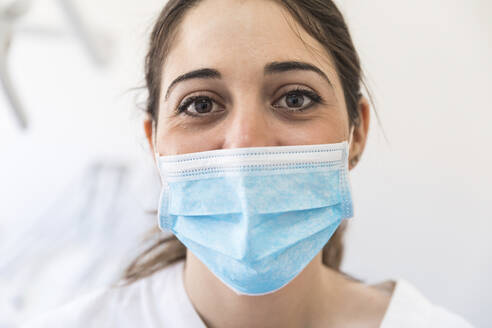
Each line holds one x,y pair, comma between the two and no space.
10,12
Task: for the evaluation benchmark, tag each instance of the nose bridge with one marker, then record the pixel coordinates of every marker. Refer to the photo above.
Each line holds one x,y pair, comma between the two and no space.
249,125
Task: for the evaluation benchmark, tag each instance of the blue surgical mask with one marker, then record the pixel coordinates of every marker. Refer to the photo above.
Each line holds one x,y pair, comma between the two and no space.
256,216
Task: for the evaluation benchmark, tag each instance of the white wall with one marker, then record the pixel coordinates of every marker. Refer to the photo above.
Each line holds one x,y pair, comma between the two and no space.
422,201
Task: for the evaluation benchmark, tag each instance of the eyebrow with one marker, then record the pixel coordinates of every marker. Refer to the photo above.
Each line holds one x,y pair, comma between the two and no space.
280,67
270,68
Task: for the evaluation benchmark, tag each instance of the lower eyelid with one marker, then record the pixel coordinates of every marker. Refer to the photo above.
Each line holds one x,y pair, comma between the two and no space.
311,95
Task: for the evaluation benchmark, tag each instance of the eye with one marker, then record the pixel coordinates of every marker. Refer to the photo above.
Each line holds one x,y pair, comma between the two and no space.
198,106
298,100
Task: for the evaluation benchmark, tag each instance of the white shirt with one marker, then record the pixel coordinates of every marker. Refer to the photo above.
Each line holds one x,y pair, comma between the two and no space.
160,300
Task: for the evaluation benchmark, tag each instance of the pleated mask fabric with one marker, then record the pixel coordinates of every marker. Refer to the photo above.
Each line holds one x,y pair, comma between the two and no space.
256,216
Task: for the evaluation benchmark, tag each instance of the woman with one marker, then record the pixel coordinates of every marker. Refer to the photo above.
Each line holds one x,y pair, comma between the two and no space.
255,116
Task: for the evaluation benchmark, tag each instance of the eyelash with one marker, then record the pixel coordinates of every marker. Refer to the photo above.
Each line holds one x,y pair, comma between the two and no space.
313,96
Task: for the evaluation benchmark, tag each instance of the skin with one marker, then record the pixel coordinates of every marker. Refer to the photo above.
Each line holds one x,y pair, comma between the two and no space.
250,109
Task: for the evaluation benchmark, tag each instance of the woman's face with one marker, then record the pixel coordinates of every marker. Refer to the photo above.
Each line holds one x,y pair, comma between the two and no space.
250,81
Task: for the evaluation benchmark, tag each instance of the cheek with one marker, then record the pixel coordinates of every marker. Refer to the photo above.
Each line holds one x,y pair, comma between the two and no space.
179,136
318,130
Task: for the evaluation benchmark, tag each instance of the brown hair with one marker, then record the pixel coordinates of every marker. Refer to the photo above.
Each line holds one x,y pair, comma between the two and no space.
322,20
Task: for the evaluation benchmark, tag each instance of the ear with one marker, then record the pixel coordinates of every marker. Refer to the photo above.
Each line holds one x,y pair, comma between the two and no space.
360,132
148,126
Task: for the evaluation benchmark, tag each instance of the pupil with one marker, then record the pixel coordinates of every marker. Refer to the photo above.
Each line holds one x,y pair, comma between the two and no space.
295,101
202,105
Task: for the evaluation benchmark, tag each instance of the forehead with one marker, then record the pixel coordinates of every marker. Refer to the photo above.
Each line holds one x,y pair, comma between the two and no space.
238,37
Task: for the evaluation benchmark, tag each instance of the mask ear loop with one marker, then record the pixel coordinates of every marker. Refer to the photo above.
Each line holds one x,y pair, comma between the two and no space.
163,223
154,145
156,153
352,129
353,160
